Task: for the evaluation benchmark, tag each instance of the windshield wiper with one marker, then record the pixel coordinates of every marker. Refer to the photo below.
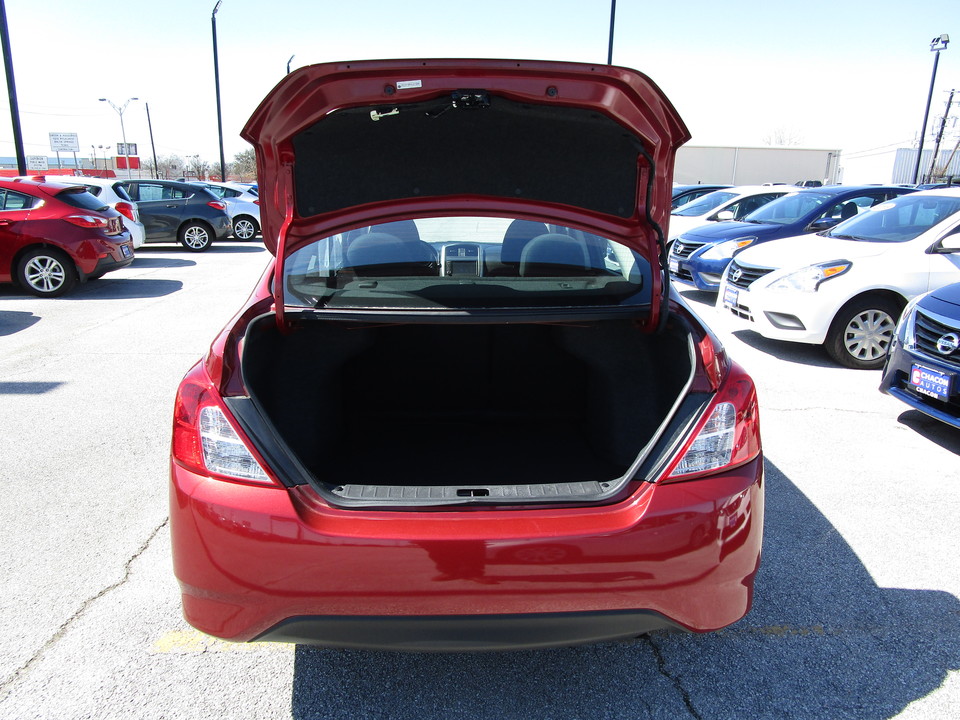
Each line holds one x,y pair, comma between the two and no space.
846,237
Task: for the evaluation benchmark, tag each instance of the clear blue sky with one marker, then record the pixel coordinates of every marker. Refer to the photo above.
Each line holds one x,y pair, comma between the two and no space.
847,74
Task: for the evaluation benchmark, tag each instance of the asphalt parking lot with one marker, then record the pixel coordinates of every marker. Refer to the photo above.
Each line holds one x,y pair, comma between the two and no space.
856,615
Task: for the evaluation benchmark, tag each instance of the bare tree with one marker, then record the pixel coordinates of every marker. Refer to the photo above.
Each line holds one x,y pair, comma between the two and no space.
783,137
245,164
198,167
215,172
168,166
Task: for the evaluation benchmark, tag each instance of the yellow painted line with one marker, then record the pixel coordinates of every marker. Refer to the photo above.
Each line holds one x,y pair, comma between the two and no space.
193,642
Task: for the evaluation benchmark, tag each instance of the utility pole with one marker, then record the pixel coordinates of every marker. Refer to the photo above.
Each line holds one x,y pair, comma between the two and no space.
12,91
936,147
936,45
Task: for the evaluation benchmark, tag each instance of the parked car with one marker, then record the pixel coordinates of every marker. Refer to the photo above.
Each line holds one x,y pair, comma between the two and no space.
243,207
112,192
683,194
846,287
730,204
53,236
174,211
923,366
699,256
399,401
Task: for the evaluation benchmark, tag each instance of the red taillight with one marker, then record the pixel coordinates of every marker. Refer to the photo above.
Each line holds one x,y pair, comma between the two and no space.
205,440
256,202
87,221
128,210
217,204
726,436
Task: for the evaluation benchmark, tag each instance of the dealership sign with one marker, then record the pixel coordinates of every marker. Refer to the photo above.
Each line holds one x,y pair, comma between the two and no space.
64,142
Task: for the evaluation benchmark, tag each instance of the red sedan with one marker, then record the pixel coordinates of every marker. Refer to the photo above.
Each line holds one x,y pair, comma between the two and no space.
462,409
54,235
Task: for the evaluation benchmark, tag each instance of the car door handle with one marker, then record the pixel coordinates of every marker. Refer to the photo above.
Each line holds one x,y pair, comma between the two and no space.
5,222
171,206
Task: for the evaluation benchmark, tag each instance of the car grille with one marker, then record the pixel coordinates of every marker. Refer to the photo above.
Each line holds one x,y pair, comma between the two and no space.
928,331
741,275
683,249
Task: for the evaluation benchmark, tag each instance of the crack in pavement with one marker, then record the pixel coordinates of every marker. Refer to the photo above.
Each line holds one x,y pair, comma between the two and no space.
675,679
8,683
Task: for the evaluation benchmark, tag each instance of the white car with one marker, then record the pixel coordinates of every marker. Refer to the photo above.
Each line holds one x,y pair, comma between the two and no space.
112,193
846,287
243,206
729,204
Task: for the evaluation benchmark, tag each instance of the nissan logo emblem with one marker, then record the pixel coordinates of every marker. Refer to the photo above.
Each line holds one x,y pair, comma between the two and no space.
678,248
948,343
735,275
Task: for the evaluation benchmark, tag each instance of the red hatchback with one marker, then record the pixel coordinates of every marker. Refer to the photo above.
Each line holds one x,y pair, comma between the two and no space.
54,235
462,409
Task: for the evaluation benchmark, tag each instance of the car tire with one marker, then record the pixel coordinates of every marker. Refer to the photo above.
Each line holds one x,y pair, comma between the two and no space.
245,228
47,272
861,333
195,236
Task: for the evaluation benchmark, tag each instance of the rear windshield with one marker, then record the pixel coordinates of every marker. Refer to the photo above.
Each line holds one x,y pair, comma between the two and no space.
898,220
465,262
79,197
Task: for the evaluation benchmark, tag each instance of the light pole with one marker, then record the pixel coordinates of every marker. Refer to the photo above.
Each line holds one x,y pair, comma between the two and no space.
936,45
123,132
216,78
613,15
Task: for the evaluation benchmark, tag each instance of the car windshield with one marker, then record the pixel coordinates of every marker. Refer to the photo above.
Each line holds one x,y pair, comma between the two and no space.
789,209
898,220
705,204
465,262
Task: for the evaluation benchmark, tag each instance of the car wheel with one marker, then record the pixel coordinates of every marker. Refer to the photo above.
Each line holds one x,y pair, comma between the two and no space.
245,228
46,272
862,331
196,236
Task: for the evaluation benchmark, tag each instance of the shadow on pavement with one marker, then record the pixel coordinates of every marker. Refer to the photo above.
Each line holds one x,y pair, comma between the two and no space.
944,435
27,388
121,289
13,321
800,353
823,641
158,262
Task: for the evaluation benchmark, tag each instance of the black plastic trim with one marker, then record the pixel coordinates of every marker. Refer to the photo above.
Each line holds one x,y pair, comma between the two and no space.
466,633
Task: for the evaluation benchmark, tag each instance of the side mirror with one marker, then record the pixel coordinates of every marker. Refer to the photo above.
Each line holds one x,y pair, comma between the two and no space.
820,224
949,243
725,215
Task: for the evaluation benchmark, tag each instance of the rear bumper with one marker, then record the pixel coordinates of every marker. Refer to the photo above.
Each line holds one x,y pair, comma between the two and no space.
261,563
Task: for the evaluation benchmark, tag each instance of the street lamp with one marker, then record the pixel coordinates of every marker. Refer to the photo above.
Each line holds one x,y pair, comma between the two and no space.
936,45
123,132
216,79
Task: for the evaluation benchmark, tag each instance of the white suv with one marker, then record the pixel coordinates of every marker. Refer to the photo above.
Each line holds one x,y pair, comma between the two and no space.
846,287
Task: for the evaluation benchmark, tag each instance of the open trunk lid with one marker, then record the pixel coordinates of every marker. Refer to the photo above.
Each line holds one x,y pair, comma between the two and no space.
342,145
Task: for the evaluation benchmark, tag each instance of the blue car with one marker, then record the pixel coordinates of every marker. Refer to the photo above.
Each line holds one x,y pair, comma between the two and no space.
699,256
923,366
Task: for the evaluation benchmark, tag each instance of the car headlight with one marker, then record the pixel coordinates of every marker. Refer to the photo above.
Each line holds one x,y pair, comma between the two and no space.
810,278
906,327
725,250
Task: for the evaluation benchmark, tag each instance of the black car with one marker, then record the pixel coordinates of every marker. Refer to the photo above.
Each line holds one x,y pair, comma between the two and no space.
923,366
174,211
